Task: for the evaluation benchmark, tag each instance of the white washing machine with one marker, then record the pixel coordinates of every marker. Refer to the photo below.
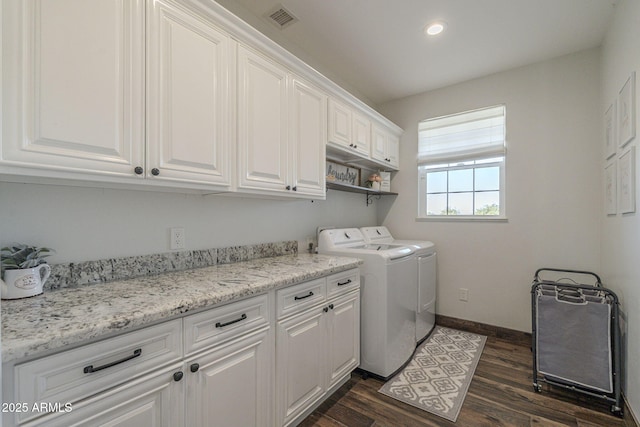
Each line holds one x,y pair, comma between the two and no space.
388,284
427,278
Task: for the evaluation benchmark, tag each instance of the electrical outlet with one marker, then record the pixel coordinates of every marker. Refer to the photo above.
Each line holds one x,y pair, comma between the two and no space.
177,238
463,294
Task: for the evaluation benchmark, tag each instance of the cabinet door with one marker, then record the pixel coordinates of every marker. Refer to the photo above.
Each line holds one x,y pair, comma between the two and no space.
308,138
343,339
385,147
73,85
300,363
152,401
393,145
188,109
379,144
231,385
361,134
262,123
340,124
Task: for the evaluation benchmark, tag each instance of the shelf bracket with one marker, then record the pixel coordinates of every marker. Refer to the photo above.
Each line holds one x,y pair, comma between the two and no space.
370,197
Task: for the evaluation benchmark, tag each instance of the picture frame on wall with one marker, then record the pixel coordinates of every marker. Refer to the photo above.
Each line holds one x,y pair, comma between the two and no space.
344,174
626,111
610,189
610,131
627,182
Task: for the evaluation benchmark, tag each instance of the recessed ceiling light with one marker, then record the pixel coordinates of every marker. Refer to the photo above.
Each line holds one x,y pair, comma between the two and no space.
434,28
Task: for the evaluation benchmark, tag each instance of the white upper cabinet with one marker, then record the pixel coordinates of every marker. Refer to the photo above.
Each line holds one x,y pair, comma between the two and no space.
340,124
262,123
281,130
393,144
188,114
356,138
170,94
308,137
385,147
73,85
348,130
78,110
361,134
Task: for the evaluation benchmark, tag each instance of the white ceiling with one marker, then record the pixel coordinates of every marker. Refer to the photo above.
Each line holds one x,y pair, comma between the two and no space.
378,48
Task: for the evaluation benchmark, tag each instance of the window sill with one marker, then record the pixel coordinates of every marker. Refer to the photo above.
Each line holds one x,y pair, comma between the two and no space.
462,218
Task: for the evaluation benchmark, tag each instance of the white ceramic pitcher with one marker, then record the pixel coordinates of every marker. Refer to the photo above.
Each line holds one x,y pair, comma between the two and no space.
26,282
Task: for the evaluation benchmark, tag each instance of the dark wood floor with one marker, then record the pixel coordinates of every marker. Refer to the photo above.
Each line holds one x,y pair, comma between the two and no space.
501,394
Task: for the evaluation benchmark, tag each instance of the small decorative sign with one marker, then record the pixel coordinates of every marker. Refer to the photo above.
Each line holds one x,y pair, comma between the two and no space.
338,172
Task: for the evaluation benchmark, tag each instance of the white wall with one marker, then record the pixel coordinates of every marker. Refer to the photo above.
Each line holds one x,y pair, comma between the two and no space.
553,187
90,224
621,234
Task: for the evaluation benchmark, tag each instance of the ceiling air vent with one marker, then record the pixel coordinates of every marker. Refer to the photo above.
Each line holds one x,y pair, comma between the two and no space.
281,17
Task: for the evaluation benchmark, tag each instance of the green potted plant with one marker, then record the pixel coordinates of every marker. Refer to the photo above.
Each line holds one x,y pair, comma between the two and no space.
24,270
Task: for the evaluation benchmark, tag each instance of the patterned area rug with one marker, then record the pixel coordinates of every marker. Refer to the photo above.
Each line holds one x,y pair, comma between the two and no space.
437,378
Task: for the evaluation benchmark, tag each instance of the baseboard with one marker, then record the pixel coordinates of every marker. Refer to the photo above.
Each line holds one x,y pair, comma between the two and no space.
518,337
630,419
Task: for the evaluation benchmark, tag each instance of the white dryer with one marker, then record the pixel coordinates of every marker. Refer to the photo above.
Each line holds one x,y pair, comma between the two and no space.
388,285
427,277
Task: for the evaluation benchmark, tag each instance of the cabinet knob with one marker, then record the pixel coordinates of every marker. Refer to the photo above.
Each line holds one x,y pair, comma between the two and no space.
350,145
177,376
138,170
295,188
155,171
288,187
325,309
331,306
194,367
355,146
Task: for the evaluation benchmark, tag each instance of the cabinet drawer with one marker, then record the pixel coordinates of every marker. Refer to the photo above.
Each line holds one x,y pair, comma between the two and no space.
294,298
340,283
72,375
222,323
152,400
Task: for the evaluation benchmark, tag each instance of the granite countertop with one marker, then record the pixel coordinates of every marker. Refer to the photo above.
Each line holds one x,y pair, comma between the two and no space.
71,316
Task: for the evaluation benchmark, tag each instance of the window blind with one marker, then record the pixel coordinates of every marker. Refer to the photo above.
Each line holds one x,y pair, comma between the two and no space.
473,135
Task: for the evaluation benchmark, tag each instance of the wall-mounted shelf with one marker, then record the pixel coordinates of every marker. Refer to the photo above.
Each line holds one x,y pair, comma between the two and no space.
362,190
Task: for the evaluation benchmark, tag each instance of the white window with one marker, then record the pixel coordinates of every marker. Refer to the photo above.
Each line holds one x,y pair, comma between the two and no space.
461,162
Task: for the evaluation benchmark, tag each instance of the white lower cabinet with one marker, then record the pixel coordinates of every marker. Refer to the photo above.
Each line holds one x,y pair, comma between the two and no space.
316,347
236,365
301,355
155,400
230,385
228,364
343,337
72,376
